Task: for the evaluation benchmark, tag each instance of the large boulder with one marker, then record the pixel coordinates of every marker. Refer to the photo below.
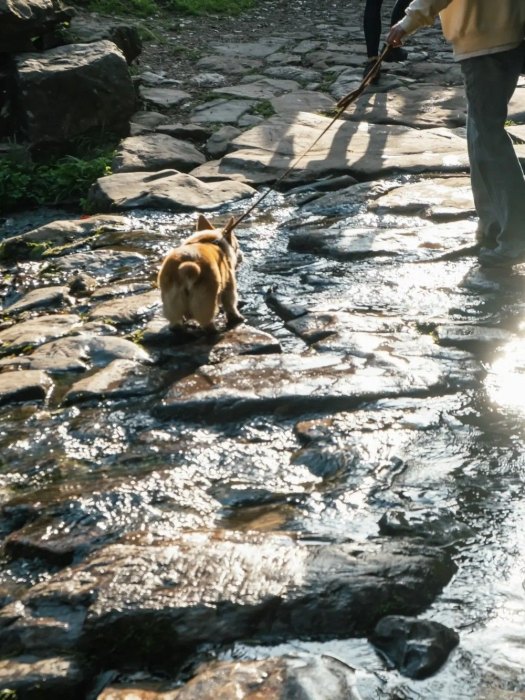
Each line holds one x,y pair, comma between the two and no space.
417,648
87,29
23,21
71,90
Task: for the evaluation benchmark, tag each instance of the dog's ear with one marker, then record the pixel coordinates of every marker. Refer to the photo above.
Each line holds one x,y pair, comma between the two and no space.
227,231
203,224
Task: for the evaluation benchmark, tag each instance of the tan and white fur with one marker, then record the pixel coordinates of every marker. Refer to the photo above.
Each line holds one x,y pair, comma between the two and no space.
199,276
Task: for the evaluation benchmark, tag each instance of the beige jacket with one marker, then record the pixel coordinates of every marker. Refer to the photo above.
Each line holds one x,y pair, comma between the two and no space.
473,27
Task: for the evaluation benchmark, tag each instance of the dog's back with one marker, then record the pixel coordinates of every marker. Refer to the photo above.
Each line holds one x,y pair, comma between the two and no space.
195,276
190,280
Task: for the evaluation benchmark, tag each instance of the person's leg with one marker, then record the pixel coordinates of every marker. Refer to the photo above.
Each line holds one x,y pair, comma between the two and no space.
498,183
399,11
372,27
397,53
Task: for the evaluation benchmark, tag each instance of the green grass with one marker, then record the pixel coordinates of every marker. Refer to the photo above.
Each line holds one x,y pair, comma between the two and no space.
138,8
61,181
146,8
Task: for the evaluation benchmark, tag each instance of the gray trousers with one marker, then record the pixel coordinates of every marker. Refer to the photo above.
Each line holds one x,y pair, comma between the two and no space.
498,183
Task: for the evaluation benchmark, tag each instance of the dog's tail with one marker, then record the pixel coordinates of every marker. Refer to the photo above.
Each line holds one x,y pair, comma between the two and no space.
188,273
183,274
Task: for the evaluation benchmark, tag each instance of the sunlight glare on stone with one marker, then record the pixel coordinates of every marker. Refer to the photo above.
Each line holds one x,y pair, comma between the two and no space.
424,293
505,382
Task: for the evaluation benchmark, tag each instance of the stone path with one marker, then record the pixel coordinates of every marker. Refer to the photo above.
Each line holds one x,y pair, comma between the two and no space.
172,491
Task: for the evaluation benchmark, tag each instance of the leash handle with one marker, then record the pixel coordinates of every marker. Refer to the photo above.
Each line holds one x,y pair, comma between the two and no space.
340,107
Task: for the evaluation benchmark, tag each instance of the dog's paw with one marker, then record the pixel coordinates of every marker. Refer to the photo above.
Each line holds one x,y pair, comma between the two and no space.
234,320
210,329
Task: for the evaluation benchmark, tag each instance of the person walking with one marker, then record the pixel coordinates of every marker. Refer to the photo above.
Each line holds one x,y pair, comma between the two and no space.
487,37
372,30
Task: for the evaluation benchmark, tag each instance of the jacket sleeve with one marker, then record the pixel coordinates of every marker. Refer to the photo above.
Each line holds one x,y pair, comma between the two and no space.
422,13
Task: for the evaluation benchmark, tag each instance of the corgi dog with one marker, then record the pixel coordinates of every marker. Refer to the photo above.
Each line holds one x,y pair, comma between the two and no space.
199,275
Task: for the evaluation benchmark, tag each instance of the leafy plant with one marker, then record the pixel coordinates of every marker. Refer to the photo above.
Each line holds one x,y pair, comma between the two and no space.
7,694
64,180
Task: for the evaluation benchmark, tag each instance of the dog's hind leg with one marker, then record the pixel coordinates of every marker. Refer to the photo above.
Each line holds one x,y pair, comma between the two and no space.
229,301
174,308
203,308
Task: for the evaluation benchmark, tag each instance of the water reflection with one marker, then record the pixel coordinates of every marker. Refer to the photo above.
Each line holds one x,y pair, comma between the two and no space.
500,642
506,379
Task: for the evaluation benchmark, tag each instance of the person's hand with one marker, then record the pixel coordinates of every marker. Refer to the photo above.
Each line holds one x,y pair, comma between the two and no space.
396,35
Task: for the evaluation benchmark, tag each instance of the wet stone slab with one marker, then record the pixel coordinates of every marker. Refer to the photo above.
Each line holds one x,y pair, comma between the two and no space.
347,200
193,344
65,524
59,233
78,353
472,337
431,198
156,603
316,325
290,384
101,264
38,678
434,527
39,298
127,310
282,678
345,242
37,331
24,385
401,351
119,379
45,542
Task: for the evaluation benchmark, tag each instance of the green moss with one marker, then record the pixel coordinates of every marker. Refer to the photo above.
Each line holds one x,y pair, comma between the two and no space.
38,249
137,337
327,82
264,109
